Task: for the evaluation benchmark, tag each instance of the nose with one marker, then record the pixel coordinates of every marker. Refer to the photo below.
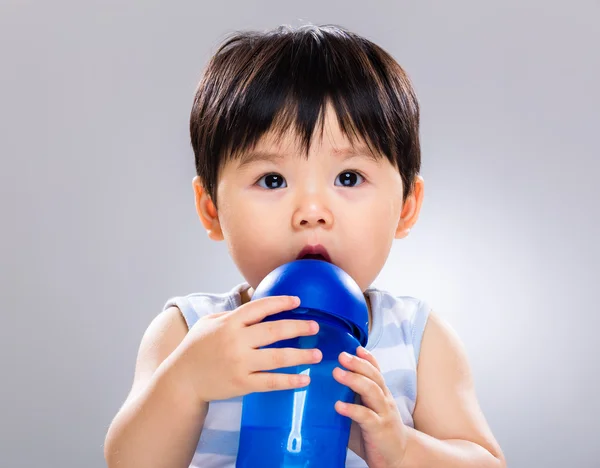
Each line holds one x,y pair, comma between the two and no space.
312,212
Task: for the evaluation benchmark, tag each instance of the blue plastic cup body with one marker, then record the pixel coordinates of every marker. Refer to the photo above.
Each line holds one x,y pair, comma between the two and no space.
300,427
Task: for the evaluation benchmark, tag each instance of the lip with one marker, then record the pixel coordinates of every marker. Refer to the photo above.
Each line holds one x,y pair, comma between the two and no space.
314,250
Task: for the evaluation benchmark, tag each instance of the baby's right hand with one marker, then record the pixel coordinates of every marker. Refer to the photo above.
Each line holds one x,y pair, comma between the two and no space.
219,357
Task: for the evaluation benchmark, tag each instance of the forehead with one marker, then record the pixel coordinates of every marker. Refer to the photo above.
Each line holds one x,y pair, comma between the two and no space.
328,139
327,133
274,155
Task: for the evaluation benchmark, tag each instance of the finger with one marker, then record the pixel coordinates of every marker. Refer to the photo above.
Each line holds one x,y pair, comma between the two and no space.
255,311
363,416
363,353
277,358
215,315
363,367
266,333
269,381
371,394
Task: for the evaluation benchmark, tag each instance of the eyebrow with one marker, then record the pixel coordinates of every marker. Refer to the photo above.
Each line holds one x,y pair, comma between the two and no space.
344,154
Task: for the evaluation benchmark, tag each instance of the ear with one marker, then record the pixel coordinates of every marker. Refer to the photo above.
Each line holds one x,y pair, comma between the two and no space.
207,211
411,209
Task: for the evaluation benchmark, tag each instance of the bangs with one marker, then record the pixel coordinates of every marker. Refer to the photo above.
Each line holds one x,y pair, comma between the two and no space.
283,80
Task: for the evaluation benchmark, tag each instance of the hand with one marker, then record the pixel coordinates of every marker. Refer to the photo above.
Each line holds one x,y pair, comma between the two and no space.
381,436
219,357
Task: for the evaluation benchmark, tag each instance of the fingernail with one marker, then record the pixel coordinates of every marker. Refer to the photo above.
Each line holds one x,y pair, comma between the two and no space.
304,379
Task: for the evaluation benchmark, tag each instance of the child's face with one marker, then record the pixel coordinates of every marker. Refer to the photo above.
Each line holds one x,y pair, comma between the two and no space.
271,209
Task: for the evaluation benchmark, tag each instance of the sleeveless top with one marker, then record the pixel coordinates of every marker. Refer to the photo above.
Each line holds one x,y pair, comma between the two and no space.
397,327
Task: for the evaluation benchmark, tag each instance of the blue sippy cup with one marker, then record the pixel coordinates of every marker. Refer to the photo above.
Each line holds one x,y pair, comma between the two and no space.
300,427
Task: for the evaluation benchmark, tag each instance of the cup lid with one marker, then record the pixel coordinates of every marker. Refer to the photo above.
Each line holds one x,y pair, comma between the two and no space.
321,286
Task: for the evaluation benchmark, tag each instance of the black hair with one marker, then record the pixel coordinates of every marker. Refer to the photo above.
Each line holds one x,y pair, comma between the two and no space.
259,82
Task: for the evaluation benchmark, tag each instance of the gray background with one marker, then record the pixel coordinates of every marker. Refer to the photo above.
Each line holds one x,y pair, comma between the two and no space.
99,226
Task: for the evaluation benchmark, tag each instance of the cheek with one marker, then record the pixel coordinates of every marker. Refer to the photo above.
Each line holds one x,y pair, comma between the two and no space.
239,217
388,214
371,233
376,221
252,236
245,233
248,223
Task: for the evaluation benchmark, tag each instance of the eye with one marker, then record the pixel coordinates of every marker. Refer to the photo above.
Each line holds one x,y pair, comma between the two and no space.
272,181
349,178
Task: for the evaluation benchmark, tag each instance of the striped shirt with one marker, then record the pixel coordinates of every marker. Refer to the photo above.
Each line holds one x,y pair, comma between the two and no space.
397,328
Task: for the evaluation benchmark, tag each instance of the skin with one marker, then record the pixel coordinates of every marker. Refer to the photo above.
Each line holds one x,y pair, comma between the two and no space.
266,222
266,227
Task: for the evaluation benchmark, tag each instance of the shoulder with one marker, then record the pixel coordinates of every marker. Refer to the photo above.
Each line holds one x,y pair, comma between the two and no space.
447,405
168,329
441,340
443,358
443,367
198,304
165,332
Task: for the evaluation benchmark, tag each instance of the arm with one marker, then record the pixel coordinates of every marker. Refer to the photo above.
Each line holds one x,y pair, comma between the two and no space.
160,422
450,429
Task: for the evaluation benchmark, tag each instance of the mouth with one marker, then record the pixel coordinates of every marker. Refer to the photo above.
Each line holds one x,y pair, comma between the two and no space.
314,252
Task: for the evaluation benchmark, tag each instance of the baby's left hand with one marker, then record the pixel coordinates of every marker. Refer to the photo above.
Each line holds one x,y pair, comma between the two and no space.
382,438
